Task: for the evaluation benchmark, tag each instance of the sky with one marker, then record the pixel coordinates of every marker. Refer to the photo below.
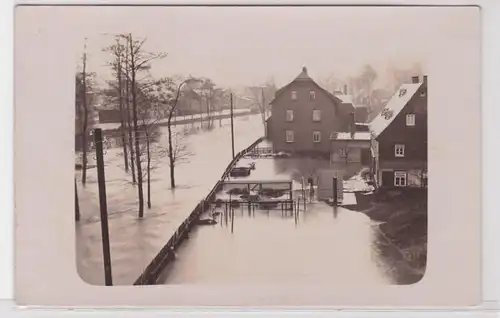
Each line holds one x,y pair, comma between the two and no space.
240,46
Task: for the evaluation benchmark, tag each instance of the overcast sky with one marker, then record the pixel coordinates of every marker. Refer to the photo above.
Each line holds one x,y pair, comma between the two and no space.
248,45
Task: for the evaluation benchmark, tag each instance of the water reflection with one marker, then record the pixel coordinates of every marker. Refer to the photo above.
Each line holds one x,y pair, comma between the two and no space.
321,245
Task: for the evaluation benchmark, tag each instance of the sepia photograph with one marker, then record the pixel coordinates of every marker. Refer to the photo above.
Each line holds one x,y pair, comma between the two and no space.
248,155
252,154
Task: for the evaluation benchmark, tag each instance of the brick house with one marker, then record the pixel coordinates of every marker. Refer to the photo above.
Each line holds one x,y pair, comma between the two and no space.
304,116
399,138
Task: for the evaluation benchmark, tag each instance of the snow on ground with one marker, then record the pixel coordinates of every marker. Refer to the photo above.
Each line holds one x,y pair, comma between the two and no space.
357,184
134,242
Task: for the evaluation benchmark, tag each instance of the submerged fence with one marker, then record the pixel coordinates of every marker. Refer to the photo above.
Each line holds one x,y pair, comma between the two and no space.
153,271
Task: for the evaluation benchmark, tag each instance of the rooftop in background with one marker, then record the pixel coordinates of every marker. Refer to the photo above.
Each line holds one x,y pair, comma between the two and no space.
359,135
346,99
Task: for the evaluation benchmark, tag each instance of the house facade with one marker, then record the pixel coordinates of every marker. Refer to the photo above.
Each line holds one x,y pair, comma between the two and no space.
399,138
304,116
351,148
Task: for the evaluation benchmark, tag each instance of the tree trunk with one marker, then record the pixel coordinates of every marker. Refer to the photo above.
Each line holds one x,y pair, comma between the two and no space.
77,204
84,157
149,168
209,117
129,120
136,129
122,121
85,121
171,156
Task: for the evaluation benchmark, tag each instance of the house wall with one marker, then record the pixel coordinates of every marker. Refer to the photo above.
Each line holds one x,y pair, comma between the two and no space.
353,155
303,124
354,150
413,137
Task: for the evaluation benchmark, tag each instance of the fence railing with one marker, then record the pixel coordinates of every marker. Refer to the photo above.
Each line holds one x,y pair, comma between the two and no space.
153,271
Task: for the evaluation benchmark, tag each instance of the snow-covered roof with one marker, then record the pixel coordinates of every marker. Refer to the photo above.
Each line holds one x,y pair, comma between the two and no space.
346,99
359,135
394,106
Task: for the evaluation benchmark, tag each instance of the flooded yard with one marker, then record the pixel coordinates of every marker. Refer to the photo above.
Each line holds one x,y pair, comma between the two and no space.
320,244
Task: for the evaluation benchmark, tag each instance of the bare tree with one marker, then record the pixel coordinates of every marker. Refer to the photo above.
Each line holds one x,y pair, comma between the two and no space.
84,100
179,151
176,152
261,96
118,51
207,92
138,61
153,96
85,114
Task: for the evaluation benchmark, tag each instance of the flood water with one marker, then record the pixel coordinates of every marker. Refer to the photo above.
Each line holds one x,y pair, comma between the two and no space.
135,242
321,245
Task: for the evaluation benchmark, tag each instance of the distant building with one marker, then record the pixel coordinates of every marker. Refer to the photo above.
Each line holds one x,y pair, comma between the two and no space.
360,110
399,138
190,102
304,116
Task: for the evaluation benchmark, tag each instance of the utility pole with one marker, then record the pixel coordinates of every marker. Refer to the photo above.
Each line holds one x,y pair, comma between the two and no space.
232,125
77,205
101,180
264,108
335,199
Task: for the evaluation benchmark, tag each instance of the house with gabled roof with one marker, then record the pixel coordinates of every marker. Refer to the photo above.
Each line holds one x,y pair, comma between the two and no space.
399,138
304,115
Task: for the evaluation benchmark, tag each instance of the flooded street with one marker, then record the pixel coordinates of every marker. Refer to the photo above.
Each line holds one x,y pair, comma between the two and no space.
322,245
268,248
134,242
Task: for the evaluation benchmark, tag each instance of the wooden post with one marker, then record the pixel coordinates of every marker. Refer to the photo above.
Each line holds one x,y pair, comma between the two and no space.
232,219
77,205
232,126
101,180
335,199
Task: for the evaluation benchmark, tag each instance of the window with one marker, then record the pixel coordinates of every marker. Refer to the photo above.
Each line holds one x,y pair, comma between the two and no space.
316,115
312,95
399,150
289,115
289,136
400,179
343,152
422,94
316,136
410,120
294,95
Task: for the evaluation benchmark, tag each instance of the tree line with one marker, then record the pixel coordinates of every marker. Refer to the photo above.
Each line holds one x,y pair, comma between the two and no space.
142,101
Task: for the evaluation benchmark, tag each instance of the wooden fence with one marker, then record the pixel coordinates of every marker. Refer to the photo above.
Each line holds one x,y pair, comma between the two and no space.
153,271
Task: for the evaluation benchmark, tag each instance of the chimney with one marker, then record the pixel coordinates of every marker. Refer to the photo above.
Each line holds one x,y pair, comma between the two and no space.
425,80
345,89
414,79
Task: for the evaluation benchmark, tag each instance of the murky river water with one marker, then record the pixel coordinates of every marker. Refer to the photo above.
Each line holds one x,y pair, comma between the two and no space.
135,242
320,246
